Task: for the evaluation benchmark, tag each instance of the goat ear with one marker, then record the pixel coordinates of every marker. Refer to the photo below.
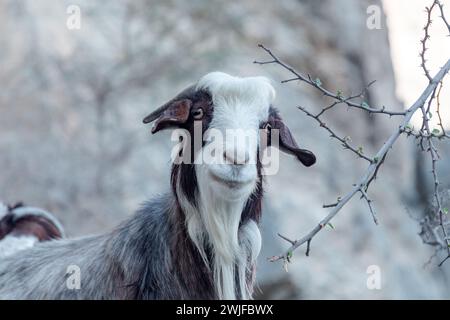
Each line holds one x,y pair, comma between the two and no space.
175,113
288,143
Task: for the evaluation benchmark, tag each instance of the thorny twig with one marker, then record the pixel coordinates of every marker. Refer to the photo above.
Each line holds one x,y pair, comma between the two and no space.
344,140
443,133
434,156
426,36
373,167
349,101
430,93
441,9
427,135
370,204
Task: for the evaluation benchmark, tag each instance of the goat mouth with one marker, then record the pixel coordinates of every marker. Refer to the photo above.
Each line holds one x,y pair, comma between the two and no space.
231,183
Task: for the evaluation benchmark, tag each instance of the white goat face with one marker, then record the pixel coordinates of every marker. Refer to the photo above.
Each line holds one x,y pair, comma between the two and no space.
230,111
240,105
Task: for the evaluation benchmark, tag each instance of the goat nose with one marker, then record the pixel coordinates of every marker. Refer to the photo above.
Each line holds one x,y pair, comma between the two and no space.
235,157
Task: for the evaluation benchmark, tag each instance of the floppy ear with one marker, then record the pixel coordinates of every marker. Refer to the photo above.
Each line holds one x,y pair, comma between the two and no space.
176,113
173,113
287,141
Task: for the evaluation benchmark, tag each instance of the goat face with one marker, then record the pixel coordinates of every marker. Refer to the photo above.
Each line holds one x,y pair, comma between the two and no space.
231,112
218,183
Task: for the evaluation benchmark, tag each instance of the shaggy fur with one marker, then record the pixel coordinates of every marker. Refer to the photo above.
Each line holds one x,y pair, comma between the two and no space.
147,257
200,241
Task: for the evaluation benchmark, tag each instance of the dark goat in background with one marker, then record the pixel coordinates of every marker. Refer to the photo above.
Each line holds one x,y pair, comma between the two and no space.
21,227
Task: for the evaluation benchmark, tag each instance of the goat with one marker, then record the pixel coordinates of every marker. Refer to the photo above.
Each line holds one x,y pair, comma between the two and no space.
198,241
21,227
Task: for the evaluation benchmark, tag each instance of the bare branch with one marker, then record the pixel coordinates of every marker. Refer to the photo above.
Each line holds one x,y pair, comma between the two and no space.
376,170
441,8
442,262
432,226
308,247
370,204
443,133
331,205
287,239
434,156
374,165
318,85
426,36
344,140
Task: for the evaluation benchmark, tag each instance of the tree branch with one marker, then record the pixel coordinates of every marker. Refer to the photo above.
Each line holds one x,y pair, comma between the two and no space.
441,8
374,165
345,141
425,136
318,85
424,40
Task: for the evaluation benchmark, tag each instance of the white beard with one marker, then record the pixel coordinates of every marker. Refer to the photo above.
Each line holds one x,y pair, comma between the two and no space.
215,224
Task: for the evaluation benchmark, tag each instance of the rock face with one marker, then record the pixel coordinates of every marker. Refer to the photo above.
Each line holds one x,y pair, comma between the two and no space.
72,140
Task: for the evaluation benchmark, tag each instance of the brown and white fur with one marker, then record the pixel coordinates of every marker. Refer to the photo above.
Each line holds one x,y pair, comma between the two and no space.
198,241
21,227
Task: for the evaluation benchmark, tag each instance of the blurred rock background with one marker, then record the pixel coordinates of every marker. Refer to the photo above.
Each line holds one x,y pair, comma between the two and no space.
72,141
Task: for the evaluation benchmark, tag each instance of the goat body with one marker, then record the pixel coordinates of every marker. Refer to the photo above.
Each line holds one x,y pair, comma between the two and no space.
201,240
147,257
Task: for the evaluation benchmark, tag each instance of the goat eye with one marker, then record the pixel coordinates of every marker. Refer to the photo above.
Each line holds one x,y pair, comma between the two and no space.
198,114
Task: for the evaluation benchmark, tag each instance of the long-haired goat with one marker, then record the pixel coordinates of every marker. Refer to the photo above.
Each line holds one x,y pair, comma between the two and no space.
21,227
199,241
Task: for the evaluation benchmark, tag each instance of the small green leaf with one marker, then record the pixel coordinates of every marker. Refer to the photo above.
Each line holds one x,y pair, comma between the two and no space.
445,210
339,199
289,254
430,115
330,225
318,82
409,127
348,138
375,160
365,105
436,132
360,150
339,94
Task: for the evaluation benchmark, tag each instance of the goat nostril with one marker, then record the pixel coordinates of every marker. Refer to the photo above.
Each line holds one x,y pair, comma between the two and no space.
236,159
